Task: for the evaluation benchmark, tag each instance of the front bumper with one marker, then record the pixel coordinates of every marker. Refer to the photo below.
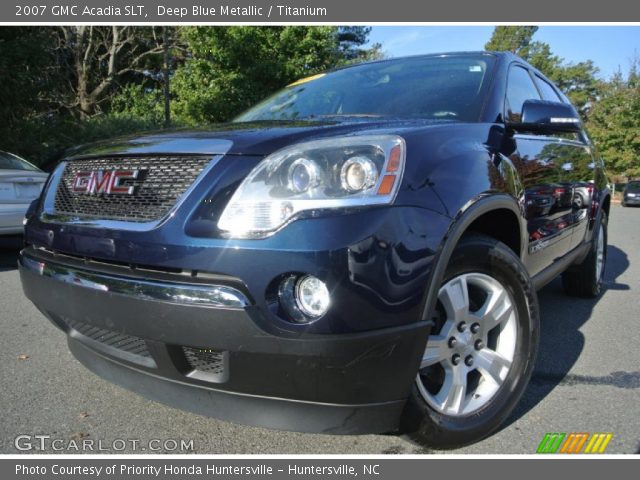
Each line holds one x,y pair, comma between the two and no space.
631,200
216,359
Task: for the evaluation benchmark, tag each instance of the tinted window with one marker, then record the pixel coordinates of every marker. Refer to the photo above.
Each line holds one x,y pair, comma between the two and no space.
520,88
548,93
11,162
438,87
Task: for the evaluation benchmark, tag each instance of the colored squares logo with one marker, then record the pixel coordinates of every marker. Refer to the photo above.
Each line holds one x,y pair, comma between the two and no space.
574,443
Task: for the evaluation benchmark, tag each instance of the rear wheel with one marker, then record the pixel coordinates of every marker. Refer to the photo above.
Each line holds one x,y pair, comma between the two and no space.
480,354
585,280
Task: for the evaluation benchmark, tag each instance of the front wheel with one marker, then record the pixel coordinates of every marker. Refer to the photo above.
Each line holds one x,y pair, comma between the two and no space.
481,352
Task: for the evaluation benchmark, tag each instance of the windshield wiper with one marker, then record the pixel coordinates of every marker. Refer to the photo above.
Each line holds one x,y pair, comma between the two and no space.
364,115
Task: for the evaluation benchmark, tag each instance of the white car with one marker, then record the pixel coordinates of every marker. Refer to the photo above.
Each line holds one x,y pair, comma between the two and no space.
20,184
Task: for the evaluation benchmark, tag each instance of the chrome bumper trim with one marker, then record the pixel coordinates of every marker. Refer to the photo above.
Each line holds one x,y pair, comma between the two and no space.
219,296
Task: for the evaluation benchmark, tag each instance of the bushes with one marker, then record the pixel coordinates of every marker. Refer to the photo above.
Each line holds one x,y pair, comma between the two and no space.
43,140
214,73
614,124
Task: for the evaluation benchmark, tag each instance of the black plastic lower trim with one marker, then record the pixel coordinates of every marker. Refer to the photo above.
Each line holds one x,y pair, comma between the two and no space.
559,266
277,413
350,383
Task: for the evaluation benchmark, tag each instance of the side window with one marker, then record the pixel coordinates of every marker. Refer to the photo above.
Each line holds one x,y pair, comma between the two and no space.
548,93
520,87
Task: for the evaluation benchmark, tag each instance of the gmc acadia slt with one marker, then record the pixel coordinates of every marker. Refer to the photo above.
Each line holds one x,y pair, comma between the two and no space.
358,253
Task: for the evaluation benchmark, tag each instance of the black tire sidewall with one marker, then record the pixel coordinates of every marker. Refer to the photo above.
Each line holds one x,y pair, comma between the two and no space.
484,255
597,286
580,280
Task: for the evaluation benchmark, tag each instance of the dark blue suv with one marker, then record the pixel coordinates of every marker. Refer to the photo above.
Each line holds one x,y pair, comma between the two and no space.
358,253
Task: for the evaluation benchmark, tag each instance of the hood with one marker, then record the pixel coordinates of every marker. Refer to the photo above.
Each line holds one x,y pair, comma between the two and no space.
253,139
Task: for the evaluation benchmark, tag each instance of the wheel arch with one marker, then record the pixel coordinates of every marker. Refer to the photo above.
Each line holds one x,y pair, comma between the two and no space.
477,216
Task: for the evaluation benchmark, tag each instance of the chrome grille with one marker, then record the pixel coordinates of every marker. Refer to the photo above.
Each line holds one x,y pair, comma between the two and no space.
162,181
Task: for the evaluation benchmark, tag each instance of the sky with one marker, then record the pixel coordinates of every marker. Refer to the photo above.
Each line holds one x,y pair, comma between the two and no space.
610,47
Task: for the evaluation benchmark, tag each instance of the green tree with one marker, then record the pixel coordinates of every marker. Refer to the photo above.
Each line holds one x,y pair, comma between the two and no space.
351,45
148,96
96,60
577,80
614,123
514,39
230,68
57,84
26,73
139,101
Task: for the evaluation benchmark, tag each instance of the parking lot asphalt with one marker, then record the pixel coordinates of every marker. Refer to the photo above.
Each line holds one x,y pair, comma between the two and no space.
587,379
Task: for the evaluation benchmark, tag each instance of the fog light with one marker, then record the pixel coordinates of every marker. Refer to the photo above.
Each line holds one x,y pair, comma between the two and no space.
304,298
312,296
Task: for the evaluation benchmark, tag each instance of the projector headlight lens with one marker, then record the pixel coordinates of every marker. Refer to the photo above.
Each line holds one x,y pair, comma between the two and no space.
324,174
303,175
358,173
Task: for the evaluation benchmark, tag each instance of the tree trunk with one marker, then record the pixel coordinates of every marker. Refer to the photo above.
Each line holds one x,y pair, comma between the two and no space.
167,93
76,37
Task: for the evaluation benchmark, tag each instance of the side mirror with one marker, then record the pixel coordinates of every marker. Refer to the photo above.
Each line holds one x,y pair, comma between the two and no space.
547,117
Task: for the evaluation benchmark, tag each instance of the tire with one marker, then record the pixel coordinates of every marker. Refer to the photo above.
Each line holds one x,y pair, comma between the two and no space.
585,280
500,367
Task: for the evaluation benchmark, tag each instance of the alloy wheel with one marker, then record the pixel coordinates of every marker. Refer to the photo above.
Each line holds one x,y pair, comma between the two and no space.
468,357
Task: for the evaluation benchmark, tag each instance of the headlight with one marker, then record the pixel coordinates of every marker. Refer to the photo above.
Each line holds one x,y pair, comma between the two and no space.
358,173
323,174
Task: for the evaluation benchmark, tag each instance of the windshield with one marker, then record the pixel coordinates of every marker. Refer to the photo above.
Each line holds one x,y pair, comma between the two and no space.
436,87
11,162
633,186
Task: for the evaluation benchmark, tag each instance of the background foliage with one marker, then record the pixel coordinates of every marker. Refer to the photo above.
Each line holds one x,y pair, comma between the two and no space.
610,109
60,86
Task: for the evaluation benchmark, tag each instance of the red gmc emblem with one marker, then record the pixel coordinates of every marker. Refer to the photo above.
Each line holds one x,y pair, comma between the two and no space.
107,182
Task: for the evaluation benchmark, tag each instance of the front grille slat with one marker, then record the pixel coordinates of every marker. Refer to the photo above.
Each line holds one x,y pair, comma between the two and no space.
108,338
161,183
126,343
207,364
121,341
